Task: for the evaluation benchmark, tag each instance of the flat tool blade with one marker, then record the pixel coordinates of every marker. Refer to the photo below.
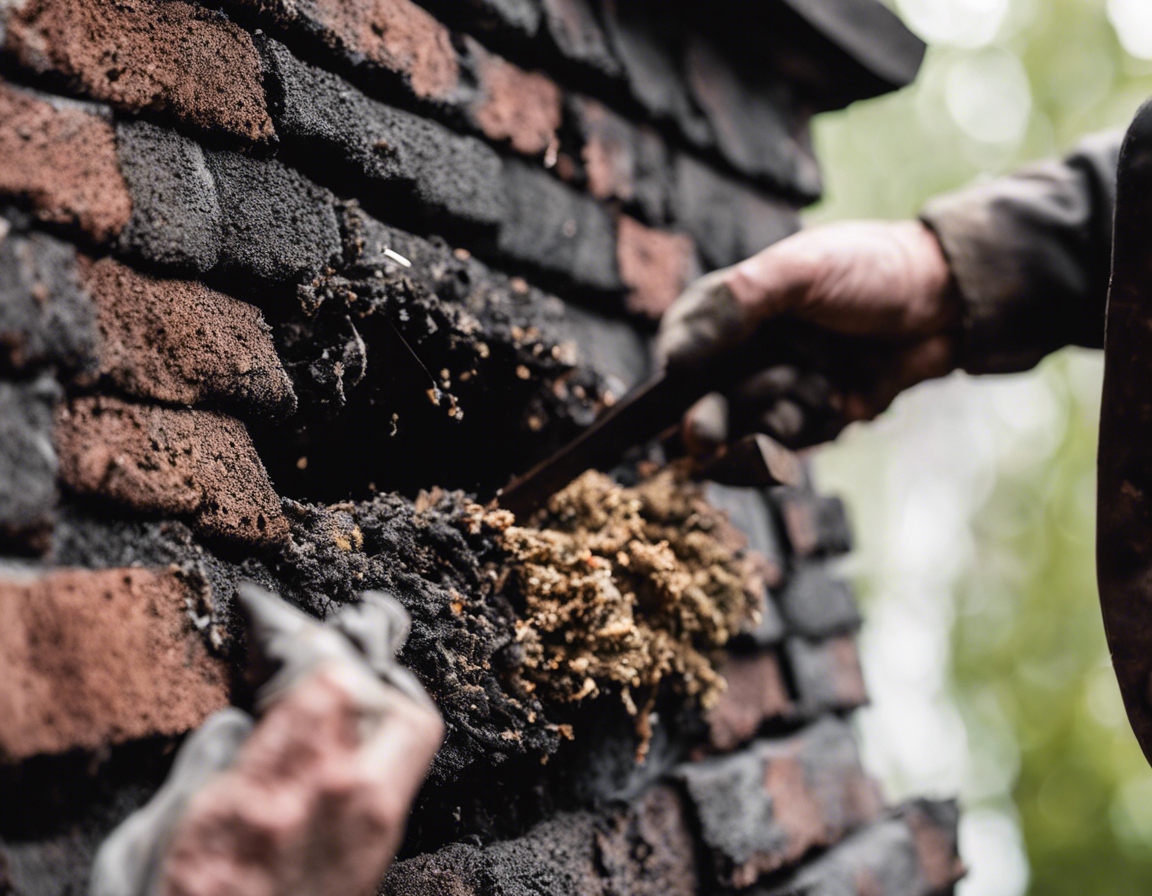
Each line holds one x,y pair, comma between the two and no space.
642,414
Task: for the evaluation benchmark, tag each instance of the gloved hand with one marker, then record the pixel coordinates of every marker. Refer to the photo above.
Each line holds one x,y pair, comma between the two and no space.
311,798
883,286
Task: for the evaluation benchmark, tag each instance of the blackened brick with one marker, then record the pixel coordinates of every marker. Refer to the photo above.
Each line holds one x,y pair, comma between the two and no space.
765,807
645,851
196,465
178,342
816,525
176,220
934,826
608,345
885,859
58,809
649,850
729,220
58,159
511,21
826,674
519,107
749,512
755,122
621,160
655,266
576,33
27,462
392,40
165,56
644,38
329,126
277,226
558,857
45,318
756,694
558,231
815,604
97,658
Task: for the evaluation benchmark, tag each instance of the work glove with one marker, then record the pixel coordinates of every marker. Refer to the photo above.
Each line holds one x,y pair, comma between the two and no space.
860,311
311,797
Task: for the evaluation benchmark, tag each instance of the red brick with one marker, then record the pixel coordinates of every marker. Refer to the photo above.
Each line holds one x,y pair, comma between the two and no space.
768,806
649,850
607,150
655,265
93,658
827,674
933,826
396,36
158,55
198,465
179,342
517,106
756,693
60,160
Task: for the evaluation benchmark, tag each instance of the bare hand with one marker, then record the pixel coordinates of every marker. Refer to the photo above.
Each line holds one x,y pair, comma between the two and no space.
885,287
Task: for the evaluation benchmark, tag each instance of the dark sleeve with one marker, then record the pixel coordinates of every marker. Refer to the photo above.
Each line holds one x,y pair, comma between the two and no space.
1031,254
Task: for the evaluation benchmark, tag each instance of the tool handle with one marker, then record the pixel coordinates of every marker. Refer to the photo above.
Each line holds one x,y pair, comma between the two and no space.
642,414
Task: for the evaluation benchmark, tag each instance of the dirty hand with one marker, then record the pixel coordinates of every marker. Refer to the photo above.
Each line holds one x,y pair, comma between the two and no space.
885,287
312,797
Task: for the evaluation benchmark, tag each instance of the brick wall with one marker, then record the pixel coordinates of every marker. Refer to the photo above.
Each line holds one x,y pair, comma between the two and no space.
270,269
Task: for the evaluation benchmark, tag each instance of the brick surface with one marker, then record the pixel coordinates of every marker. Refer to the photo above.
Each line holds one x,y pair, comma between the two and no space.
176,219
277,226
59,159
815,604
178,342
755,121
729,220
576,33
512,21
196,465
163,56
622,161
816,525
655,265
391,38
643,37
649,850
756,694
45,318
889,858
558,231
646,851
521,108
382,153
766,807
826,674
97,658
27,463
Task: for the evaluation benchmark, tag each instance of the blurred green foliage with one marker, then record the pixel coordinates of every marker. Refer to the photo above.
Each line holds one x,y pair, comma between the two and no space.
1028,671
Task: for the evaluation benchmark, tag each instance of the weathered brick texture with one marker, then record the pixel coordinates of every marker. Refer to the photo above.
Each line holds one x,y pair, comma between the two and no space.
196,465
272,280
168,57
91,659
766,807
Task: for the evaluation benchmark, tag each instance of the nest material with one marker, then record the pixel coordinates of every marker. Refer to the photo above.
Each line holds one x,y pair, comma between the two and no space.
625,588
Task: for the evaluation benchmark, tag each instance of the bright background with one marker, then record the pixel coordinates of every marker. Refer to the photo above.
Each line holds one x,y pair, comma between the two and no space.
973,499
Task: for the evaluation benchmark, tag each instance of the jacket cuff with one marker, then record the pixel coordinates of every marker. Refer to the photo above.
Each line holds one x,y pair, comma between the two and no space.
998,324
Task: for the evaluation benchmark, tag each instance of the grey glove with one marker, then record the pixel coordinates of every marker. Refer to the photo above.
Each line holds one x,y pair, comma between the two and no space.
285,646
